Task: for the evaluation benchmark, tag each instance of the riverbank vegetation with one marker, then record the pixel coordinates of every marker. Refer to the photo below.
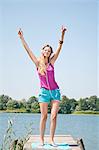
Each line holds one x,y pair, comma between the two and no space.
11,141
89,105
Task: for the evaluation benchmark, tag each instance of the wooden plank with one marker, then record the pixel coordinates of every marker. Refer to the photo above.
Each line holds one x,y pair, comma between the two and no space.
58,139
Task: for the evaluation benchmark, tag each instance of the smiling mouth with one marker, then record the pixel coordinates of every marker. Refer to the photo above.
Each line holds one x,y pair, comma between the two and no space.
46,53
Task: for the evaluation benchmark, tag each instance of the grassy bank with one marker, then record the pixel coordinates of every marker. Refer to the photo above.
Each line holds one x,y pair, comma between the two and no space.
86,112
34,111
14,111
22,110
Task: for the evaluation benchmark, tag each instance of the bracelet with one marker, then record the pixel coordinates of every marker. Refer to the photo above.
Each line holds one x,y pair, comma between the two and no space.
60,42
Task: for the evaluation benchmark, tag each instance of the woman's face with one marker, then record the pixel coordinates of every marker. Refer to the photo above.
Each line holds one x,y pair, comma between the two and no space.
46,51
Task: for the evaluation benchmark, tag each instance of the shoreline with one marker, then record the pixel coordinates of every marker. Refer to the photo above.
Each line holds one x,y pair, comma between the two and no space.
74,113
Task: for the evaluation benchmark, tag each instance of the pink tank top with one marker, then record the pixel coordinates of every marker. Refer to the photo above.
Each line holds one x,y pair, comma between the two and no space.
49,81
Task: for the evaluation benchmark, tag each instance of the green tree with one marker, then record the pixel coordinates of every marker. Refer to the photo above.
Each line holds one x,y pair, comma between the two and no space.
32,99
32,103
22,103
35,105
12,104
49,107
73,104
3,101
83,104
28,107
97,104
1,106
93,103
65,107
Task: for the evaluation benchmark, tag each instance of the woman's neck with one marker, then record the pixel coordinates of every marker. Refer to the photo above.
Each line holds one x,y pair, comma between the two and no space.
46,60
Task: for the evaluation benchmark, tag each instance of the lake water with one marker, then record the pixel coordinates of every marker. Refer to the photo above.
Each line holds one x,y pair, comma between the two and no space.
84,126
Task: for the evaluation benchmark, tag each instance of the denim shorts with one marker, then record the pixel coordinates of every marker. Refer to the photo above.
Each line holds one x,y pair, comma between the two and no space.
46,95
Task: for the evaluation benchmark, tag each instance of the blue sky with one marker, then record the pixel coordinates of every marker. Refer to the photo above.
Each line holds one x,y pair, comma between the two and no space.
41,20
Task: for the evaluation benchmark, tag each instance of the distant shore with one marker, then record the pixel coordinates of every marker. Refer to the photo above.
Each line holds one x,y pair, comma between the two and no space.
86,112
24,111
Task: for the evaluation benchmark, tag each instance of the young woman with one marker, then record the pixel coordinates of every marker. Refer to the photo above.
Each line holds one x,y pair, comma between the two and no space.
49,89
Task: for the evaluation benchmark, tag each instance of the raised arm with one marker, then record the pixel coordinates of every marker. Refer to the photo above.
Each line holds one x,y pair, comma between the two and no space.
53,59
30,53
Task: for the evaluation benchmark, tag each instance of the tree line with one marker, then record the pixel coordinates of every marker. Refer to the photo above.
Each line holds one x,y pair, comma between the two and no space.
67,106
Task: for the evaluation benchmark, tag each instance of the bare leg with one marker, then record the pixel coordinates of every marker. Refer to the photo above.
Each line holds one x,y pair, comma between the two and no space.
54,112
44,110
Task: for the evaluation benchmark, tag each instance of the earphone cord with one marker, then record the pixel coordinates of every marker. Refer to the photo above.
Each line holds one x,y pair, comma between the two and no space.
48,85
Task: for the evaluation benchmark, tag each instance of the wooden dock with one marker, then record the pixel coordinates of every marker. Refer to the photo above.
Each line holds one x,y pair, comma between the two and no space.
74,144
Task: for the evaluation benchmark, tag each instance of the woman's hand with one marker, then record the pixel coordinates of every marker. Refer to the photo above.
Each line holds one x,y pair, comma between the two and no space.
63,29
20,33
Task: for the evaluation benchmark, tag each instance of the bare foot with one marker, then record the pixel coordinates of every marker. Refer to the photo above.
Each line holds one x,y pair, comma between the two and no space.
52,143
41,143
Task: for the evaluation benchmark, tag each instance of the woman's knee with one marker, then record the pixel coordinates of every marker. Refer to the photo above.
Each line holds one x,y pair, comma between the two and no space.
53,116
44,117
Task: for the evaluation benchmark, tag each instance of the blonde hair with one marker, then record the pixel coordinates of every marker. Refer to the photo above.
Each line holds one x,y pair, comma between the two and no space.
42,66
